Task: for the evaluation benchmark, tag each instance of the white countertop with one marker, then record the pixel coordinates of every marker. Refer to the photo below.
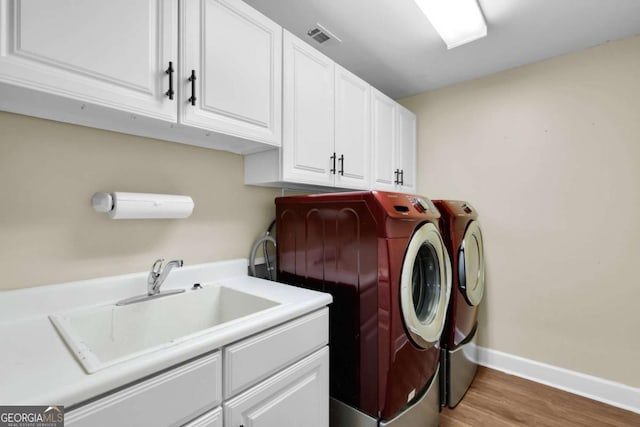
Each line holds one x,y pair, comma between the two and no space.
36,366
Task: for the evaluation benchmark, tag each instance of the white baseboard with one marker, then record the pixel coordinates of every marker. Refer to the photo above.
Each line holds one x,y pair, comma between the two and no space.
609,392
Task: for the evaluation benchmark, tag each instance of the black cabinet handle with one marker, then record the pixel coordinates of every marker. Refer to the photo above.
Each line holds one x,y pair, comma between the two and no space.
192,79
169,71
341,172
333,159
397,174
401,176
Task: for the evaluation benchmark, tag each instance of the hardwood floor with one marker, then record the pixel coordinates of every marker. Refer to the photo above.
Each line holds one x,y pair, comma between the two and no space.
497,399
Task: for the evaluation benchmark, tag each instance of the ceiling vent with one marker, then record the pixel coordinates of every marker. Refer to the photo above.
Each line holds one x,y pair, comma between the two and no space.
321,34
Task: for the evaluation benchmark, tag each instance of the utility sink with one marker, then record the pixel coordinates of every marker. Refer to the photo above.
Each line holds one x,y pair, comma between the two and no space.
103,336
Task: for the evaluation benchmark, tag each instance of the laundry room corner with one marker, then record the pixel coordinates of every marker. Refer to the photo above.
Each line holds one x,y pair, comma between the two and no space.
548,155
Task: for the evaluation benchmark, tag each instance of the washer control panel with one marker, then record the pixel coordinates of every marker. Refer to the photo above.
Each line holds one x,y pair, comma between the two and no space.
406,205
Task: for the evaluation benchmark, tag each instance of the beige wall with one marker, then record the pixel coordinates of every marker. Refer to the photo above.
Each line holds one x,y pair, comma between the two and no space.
549,154
49,233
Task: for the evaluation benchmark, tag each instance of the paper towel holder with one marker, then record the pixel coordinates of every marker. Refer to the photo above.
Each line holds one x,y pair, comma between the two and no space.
122,205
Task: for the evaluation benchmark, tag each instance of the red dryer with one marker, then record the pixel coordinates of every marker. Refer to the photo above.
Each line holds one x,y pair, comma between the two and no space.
461,232
383,259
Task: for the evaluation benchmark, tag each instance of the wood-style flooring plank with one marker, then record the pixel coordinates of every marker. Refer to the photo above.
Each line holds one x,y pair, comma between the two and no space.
496,399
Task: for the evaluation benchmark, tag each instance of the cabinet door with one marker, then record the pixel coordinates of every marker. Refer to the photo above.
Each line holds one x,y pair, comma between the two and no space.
109,53
406,149
297,396
383,137
235,54
308,118
352,130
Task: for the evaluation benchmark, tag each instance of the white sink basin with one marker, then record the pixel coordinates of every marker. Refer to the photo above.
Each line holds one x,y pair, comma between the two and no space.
103,336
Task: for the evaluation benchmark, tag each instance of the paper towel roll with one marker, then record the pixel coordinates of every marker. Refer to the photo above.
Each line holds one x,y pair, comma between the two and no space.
147,205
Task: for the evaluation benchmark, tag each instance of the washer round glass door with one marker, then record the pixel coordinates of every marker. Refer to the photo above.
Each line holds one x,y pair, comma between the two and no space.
425,286
471,264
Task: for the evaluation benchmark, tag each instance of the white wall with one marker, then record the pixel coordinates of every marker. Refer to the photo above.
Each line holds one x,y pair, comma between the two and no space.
549,154
49,233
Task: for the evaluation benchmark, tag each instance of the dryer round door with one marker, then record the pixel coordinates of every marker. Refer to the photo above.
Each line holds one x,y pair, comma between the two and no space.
425,286
471,264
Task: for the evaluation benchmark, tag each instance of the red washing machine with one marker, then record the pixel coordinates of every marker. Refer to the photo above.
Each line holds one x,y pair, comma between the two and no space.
382,258
461,232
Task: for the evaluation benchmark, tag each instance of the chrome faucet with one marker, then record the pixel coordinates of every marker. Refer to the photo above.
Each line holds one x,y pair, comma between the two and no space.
156,278
157,275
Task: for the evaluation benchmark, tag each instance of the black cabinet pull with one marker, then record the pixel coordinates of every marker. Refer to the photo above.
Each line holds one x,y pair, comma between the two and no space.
333,159
397,174
169,71
192,79
341,172
401,176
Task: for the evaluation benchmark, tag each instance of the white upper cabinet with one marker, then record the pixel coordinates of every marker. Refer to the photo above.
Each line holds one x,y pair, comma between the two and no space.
114,65
383,135
240,83
352,130
326,136
308,118
406,148
111,53
235,54
393,139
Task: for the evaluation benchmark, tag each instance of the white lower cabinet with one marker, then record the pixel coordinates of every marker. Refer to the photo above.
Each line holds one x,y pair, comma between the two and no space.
278,377
258,357
297,396
168,399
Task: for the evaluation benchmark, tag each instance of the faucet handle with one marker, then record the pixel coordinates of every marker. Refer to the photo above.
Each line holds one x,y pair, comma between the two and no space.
155,270
157,266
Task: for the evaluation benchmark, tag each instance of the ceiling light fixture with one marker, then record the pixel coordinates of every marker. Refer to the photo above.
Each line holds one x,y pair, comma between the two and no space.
457,21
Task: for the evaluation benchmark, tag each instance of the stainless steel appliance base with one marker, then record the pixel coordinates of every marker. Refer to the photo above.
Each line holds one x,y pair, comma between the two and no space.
424,412
460,370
